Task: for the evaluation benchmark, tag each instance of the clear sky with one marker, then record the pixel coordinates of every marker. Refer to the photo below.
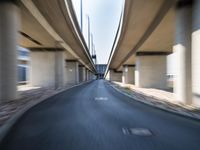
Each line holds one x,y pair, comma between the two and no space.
104,20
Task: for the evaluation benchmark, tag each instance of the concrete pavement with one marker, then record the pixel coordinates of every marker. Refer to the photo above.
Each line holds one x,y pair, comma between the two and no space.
96,117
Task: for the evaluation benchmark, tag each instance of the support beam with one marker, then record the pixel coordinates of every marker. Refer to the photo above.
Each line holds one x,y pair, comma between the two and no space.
128,76
72,72
9,23
182,50
196,53
150,71
47,68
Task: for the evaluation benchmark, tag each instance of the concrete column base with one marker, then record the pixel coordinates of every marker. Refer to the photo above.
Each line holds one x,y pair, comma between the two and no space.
182,50
115,76
8,50
196,54
150,71
87,75
90,75
128,76
46,68
72,72
82,73
59,69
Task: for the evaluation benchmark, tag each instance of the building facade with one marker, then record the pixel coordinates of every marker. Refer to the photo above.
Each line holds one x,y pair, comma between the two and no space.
23,65
101,68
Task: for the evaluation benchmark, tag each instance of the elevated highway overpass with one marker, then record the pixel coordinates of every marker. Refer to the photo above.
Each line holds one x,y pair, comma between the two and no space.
148,32
50,30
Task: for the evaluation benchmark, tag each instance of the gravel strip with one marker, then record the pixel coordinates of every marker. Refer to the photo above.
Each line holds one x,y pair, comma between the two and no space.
157,100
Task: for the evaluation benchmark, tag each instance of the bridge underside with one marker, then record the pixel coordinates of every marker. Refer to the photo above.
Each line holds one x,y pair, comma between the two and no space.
151,30
50,30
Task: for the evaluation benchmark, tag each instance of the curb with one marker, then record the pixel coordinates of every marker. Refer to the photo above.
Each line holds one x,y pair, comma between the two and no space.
10,122
189,116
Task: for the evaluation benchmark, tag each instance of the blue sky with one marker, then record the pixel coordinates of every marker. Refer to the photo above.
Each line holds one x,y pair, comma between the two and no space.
104,20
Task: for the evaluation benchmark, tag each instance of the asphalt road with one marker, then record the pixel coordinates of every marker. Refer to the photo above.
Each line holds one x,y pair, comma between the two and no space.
94,116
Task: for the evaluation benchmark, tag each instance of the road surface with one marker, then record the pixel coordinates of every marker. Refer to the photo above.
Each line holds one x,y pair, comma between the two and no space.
94,116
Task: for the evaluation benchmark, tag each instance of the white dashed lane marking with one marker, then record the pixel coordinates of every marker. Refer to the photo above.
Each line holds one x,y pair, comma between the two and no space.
101,98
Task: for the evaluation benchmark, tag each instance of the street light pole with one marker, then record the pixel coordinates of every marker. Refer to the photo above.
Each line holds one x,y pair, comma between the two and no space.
92,44
81,14
88,32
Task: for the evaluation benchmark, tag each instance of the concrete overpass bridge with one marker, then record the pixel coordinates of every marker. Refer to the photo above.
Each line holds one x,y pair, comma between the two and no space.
94,116
49,28
148,32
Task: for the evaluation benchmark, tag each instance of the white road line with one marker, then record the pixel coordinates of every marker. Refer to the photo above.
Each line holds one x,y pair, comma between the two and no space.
101,98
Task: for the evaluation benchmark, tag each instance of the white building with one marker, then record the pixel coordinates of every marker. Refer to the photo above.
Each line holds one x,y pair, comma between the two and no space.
23,65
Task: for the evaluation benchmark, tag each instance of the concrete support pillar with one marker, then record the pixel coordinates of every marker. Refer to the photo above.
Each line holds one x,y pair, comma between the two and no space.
72,72
182,50
59,69
128,76
196,53
9,23
47,68
151,70
90,75
82,73
87,74
115,75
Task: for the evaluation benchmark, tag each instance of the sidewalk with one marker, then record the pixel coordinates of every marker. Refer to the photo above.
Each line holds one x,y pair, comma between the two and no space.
28,96
157,98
